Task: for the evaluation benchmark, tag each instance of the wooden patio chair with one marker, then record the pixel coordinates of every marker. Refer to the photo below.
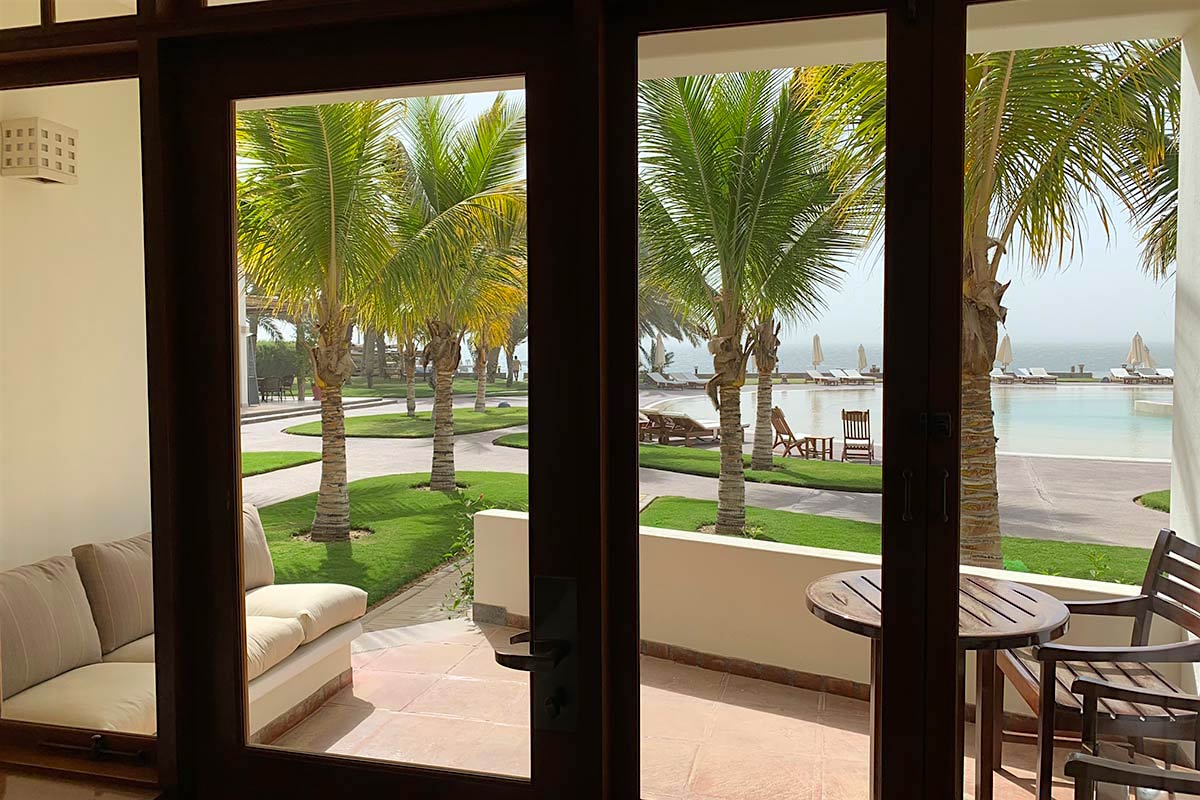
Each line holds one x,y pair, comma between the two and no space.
268,388
857,444
1046,676
286,384
681,426
1105,763
784,435
655,427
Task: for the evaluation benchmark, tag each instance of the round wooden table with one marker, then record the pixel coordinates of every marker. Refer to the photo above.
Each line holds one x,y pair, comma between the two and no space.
992,615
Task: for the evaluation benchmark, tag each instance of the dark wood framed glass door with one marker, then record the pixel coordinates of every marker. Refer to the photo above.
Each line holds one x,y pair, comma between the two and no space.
190,88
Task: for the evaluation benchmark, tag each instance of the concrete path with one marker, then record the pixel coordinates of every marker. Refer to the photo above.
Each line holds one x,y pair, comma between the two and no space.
1041,497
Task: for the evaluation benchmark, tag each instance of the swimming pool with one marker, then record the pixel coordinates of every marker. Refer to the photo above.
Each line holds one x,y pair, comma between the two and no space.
1090,420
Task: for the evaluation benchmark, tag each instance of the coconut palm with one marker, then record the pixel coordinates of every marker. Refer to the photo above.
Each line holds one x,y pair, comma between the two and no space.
313,231
460,217
733,171
1050,135
518,331
488,331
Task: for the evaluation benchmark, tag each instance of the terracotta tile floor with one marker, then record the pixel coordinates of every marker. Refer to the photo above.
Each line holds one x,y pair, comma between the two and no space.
440,699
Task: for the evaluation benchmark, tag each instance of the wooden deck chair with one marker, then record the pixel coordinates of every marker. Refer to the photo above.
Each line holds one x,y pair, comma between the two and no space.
783,434
856,436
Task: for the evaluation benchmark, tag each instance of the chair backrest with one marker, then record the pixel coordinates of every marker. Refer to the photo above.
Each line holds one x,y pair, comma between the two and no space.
1172,583
287,380
816,376
268,385
780,424
1166,372
1118,372
1039,372
856,425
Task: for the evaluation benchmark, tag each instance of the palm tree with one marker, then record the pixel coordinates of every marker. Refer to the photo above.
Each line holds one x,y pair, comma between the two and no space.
518,331
488,330
461,207
1049,136
732,166
313,231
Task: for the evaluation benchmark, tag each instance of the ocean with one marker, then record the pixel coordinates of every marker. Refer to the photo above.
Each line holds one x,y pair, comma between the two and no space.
796,356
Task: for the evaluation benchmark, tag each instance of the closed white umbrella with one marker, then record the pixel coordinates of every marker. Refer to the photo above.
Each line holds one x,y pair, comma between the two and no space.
1137,352
1150,360
862,358
1004,351
818,354
658,359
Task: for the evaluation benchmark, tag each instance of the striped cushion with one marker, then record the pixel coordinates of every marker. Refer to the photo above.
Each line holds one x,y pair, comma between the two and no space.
46,625
257,567
119,580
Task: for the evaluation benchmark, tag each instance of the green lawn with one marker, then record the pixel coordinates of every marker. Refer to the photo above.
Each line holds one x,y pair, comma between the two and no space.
402,426
1159,501
1069,559
391,387
413,530
269,461
788,471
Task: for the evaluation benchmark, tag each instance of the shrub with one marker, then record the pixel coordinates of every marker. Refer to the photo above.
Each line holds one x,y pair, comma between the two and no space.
276,359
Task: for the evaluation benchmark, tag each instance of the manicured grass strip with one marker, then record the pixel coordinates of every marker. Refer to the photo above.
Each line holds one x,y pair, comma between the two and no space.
392,387
788,471
1068,559
402,426
1159,501
413,530
269,461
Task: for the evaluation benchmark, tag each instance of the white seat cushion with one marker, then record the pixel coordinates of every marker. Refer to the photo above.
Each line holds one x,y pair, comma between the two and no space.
107,697
318,607
270,640
139,651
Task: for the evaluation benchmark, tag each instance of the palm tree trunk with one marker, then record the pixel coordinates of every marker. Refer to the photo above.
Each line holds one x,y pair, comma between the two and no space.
509,355
444,347
409,356
302,352
481,354
731,485
979,503
332,520
381,354
766,351
369,356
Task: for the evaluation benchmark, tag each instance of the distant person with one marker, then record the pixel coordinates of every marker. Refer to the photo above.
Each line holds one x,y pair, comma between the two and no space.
516,368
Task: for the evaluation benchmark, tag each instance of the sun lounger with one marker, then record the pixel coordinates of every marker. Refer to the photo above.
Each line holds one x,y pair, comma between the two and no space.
1167,373
682,426
1151,376
1041,376
1123,375
654,428
1023,375
683,379
817,377
844,376
1000,376
857,377
661,381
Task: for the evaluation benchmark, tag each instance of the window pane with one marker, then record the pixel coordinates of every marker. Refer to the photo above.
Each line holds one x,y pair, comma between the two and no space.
67,10
19,13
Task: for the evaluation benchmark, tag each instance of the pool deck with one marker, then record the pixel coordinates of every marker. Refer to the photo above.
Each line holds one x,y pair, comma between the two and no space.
1086,500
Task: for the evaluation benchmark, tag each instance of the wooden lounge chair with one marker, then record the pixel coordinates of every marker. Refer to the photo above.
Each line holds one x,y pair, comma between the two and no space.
856,436
655,427
682,426
817,377
1045,677
1123,375
1041,376
1151,376
688,381
660,381
1167,374
784,435
1000,376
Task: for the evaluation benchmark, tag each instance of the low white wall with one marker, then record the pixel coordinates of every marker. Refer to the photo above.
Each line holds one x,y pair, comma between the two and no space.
74,424
744,599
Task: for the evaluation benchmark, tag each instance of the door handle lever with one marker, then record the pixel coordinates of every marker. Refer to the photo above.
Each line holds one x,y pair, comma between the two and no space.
537,655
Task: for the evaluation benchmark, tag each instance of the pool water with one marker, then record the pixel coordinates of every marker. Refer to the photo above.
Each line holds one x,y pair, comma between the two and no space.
1093,420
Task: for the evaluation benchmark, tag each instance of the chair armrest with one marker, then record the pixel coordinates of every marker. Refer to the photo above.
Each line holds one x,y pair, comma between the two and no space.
1093,687
1103,770
1124,607
1174,653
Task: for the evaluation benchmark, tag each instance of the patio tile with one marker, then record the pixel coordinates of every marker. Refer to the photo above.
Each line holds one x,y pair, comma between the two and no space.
361,660
481,663
766,731
773,697
844,778
671,715
682,678
435,658
666,766
334,729
388,690
735,773
470,698
450,742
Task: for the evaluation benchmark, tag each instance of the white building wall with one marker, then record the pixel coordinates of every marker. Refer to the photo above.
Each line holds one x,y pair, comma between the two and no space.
74,439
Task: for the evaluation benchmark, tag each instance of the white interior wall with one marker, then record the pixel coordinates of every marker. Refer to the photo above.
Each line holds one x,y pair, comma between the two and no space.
74,441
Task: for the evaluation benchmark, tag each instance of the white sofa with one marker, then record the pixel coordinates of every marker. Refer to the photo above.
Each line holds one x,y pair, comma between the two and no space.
77,638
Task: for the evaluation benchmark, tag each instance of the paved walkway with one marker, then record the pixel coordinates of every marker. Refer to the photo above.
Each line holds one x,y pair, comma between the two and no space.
1040,497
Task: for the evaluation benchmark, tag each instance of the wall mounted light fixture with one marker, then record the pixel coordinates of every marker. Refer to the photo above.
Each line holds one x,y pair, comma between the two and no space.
39,149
